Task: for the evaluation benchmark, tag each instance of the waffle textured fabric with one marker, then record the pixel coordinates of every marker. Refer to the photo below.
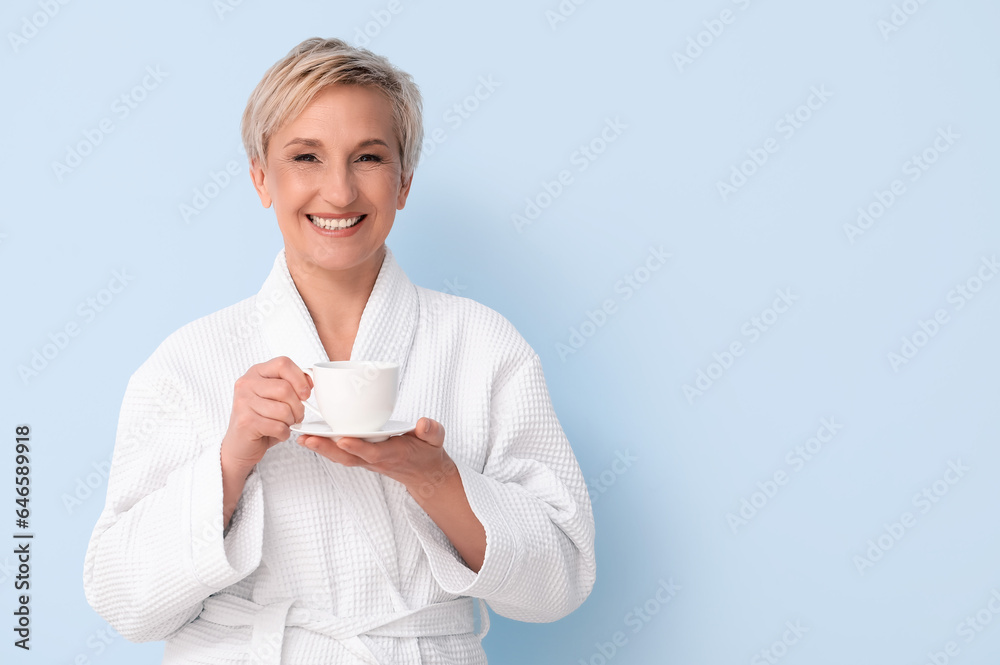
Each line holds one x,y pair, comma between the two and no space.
323,563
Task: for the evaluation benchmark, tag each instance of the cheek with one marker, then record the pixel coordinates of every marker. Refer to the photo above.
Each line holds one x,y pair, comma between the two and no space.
291,187
384,185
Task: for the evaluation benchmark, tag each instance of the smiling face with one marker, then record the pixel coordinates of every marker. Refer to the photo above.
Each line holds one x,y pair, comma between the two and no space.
335,179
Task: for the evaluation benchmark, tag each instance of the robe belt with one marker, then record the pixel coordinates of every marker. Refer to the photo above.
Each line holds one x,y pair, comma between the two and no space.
267,623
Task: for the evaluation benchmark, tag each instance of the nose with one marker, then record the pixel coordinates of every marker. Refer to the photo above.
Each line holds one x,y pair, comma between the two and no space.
338,187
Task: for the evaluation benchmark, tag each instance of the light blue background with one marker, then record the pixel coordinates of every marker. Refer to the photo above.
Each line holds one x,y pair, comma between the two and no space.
664,517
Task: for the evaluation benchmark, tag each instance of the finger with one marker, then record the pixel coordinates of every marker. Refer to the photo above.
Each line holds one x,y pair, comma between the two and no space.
281,391
265,427
329,449
254,426
283,367
269,409
372,453
430,431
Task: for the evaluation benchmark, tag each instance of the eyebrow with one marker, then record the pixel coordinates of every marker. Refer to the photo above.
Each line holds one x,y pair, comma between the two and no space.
316,143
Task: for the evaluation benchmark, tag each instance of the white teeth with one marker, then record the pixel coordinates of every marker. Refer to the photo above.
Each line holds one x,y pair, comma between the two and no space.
331,224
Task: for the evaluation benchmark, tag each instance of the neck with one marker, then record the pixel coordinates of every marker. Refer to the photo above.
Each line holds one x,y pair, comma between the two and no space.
335,298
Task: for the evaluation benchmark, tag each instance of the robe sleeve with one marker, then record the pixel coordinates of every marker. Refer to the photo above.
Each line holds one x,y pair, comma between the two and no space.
159,549
532,501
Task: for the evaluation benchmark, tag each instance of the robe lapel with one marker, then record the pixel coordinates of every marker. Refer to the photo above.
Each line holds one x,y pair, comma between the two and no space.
386,331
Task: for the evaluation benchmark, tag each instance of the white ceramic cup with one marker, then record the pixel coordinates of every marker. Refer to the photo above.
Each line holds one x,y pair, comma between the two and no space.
354,395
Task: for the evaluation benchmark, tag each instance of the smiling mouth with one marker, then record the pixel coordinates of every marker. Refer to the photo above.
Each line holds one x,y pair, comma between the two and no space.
330,224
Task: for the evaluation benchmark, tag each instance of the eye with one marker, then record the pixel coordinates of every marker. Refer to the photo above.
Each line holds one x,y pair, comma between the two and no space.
306,157
369,158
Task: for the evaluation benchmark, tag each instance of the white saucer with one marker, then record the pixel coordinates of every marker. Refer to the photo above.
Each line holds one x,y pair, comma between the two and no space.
320,428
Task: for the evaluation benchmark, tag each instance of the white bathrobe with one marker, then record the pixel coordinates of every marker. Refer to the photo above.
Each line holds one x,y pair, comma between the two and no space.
322,563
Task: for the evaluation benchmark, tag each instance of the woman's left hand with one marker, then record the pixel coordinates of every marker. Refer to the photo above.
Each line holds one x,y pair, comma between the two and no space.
416,459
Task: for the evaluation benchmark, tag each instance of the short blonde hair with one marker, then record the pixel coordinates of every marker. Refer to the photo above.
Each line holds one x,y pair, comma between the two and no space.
292,82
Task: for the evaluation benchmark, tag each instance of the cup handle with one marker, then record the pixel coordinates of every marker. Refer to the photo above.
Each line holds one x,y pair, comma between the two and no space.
310,407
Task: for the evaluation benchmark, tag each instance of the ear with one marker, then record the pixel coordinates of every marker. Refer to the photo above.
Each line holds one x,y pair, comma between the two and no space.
257,175
404,190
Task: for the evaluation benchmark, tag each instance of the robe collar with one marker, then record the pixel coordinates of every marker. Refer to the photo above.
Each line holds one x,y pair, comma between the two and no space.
387,327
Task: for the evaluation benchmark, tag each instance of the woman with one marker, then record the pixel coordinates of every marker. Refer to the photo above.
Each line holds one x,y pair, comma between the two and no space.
236,540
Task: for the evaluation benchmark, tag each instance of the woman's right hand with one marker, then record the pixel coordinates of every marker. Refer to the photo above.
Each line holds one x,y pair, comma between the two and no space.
267,400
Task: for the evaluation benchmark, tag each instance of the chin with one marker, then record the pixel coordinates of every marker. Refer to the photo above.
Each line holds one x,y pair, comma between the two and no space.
323,256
